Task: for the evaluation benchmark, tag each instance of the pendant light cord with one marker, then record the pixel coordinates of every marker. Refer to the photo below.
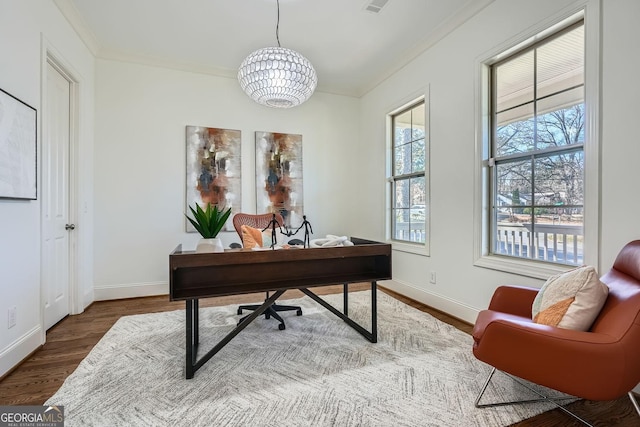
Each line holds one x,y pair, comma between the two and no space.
278,24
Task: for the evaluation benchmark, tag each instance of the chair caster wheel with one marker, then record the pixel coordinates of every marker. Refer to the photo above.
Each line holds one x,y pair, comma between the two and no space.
281,326
239,311
299,312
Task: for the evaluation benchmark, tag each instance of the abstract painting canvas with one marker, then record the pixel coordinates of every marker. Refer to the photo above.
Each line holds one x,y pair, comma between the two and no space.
17,148
213,170
279,176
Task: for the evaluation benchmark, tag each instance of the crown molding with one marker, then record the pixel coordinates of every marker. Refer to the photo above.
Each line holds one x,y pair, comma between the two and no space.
70,12
194,67
467,11
153,61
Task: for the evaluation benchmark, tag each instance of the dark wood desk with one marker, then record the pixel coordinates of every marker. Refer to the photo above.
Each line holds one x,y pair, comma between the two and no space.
193,276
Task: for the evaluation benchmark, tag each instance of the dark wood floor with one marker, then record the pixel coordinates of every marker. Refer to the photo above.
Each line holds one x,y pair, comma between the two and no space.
68,342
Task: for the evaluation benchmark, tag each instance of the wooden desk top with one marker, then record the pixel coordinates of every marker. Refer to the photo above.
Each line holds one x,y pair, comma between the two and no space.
238,271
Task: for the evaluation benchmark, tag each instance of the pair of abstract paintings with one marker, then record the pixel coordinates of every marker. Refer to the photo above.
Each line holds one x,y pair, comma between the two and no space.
214,173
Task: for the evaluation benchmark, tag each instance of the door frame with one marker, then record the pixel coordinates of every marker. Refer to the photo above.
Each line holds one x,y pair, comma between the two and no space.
50,55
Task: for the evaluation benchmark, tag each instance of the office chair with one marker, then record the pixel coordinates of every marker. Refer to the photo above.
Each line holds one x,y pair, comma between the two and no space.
261,221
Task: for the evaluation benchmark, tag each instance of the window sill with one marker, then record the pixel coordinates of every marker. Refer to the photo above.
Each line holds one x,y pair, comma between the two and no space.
521,267
413,248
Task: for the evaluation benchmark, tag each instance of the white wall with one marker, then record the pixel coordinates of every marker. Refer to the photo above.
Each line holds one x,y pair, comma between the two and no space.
141,114
620,112
22,24
449,69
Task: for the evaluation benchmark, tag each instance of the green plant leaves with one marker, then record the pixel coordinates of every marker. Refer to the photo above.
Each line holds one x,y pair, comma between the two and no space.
208,222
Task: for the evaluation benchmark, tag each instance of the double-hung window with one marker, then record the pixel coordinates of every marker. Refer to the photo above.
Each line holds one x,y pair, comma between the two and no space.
536,162
408,181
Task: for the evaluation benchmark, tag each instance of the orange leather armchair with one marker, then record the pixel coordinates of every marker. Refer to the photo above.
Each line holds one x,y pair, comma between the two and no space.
262,221
600,364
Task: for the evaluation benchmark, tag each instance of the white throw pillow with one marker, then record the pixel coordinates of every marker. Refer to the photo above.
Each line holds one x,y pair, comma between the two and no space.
570,300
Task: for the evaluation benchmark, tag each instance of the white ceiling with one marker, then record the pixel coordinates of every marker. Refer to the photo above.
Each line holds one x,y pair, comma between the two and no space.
351,49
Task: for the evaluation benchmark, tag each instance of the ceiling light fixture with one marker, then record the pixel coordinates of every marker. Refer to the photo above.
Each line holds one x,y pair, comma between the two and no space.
276,76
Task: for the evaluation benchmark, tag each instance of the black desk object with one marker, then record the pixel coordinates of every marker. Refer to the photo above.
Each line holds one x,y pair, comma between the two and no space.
239,271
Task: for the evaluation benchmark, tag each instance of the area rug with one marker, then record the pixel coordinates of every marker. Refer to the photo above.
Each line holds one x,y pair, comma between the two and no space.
317,372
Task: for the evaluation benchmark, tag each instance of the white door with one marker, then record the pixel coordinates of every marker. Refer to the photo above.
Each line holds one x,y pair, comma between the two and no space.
55,198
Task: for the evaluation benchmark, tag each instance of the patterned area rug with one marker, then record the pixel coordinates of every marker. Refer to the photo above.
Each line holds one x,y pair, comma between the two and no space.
317,372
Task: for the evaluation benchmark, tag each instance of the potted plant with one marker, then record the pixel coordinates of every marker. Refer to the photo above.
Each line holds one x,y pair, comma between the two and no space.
208,222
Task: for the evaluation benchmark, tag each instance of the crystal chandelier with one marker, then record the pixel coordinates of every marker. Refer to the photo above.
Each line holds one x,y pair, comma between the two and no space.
276,76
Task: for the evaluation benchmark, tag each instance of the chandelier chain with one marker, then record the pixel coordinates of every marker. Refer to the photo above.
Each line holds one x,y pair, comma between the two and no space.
278,24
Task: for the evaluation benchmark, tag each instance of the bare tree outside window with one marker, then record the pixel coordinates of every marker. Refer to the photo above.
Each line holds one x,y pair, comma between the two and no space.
537,160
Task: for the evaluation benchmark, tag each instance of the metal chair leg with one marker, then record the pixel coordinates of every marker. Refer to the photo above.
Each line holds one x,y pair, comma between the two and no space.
634,401
542,398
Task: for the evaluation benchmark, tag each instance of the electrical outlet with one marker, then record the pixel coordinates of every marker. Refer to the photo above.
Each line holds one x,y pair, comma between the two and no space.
11,317
432,279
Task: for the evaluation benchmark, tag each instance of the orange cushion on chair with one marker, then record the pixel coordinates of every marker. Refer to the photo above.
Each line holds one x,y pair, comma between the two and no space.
251,237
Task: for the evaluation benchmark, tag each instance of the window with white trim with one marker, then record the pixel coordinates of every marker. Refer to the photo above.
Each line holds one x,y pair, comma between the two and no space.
536,153
408,181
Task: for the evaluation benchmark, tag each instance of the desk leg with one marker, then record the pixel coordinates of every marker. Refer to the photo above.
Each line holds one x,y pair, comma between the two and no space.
371,336
196,323
192,347
345,302
191,310
374,312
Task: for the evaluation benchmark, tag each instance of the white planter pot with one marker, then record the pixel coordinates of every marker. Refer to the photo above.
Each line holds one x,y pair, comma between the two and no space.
209,245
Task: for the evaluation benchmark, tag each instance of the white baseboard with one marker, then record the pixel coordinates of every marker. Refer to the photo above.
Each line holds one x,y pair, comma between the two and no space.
88,298
447,305
17,351
130,290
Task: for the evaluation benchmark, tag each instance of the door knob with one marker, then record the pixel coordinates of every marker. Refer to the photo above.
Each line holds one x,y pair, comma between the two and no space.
70,227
